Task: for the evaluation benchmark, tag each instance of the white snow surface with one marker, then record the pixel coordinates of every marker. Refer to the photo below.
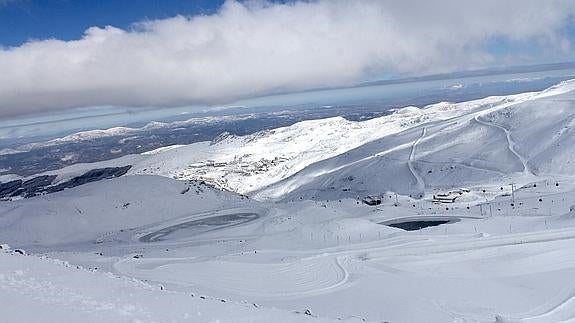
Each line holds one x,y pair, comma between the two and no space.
304,240
40,289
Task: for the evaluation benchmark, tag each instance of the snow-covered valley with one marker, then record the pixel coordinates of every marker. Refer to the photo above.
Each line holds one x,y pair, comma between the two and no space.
276,226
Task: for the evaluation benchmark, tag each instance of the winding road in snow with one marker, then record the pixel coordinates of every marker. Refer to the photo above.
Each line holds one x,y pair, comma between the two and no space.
420,183
510,142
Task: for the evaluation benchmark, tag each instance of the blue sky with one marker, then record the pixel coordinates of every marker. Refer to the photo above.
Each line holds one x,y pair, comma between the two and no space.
21,20
61,54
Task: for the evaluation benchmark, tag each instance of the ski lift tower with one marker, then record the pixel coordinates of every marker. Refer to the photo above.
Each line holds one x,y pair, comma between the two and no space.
512,192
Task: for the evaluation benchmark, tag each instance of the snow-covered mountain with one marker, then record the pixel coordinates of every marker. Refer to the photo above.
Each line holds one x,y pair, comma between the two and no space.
455,212
438,146
503,140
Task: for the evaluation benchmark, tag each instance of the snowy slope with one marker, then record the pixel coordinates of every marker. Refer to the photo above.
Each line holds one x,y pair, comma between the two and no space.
38,289
439,145
513,140
465,137
337,260
249,163
501,253
85,213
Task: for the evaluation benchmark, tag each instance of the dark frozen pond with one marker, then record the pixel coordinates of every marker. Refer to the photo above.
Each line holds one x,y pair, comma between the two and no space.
199,226
418,224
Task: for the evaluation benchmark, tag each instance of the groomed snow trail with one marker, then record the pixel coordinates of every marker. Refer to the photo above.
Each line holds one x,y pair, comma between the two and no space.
510,142
34,289
420,183
268,280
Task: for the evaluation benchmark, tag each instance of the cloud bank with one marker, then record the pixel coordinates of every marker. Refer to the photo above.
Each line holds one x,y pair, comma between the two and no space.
257,47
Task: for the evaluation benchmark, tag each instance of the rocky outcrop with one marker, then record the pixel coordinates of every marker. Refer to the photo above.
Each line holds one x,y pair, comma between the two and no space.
7,189
35,185
43,184
93,175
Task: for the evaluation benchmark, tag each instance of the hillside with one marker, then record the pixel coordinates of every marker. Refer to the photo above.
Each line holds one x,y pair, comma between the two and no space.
494,142
507,139
455,212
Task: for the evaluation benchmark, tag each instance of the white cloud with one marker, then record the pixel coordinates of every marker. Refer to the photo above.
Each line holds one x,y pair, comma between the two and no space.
258,47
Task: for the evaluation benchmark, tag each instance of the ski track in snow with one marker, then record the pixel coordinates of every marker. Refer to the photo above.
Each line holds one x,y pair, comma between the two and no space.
319,270
510,142
268,280
420,183
407,246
